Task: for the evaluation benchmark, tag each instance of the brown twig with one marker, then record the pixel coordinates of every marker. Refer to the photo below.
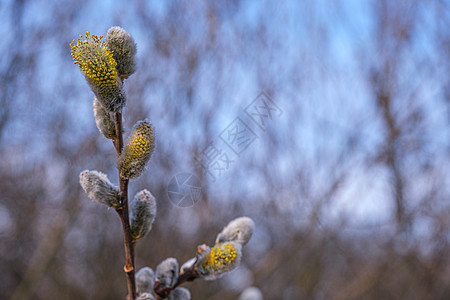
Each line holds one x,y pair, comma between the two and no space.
123,214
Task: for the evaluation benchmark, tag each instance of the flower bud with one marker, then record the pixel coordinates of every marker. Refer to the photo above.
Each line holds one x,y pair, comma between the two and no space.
99,67
146,296
104,120
180,293
145,279
187,265
143,213
239,230
99,188
167,273
251,293
123,49
215,262
137,151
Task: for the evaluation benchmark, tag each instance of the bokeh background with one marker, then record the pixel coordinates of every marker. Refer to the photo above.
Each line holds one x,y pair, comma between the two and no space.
348,181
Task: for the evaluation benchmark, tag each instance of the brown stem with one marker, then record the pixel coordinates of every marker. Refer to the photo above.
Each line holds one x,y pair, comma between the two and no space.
118,140
123,214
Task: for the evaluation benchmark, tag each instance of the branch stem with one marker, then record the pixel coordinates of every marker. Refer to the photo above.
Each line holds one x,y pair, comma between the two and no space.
123,214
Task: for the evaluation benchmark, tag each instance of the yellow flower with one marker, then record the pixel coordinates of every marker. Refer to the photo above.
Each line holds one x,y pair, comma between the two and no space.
221,255
137,151
96,61
220,259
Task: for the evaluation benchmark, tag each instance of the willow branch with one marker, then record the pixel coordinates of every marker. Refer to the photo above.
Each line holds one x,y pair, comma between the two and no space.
123,214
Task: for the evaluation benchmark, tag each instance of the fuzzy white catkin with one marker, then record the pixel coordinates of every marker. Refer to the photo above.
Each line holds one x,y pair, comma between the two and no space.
187,265
142,214
123,48
239,230
145,279
251,293
167,272
146,296
180,293
99,188
104,120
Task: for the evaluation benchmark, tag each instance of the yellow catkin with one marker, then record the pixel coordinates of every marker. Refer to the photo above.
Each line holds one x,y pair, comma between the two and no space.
137,151
221,256
96,61
86,54
218,260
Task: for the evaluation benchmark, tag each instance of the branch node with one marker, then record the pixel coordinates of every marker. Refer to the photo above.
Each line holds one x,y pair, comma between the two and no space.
128,269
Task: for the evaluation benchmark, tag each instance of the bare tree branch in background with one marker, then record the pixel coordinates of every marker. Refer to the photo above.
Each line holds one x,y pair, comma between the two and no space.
348,187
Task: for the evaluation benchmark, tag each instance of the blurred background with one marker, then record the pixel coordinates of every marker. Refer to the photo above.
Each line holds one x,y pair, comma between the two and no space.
344,107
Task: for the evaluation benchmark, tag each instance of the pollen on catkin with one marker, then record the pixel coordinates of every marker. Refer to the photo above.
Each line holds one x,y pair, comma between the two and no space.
218,260
96,61
104,120
142,214
123,49
136,153
99,188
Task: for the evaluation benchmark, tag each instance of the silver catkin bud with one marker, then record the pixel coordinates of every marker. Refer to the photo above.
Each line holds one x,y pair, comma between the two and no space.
146,296
142,214
104,120
123,48
180,293
145,279
187,265
239,230
167,272
99,188
251,293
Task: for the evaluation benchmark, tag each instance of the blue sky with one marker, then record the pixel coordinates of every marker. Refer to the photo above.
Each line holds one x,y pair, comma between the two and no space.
308,55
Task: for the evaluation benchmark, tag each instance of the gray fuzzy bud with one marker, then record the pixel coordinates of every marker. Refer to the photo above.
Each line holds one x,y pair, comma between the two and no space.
142,214
123,48
180,293
146,296
167,272
239,230
104,120
99,188
187,265
251,293
145,279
